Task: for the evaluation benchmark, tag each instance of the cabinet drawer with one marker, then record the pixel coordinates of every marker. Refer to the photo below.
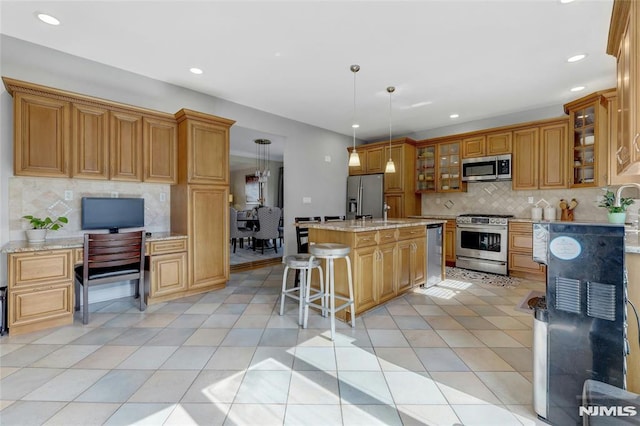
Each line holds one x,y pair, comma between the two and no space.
522,227
364,239
386,236
521,242
167,246
524,262
413,232
37,268
35,305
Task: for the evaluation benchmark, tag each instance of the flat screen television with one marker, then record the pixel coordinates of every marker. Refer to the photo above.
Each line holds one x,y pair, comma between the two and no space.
112,213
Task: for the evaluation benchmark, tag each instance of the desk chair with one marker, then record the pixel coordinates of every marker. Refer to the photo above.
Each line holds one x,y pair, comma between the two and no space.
110,258
333,218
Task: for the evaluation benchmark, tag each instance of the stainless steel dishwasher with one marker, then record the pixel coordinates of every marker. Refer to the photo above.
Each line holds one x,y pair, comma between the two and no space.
434,254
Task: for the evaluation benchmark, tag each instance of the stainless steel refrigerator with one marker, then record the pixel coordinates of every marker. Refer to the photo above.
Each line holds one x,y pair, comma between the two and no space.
586,306
365,195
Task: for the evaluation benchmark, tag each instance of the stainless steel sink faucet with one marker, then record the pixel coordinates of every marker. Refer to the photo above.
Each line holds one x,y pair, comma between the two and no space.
385,209
616,202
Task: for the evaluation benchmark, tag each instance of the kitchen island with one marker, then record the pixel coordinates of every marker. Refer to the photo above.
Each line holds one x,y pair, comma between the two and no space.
388,257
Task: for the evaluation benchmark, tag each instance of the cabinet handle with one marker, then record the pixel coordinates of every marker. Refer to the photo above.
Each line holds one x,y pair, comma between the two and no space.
635,142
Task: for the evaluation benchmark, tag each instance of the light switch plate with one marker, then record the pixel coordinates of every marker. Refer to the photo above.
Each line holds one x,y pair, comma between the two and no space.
306,200
114,194
68,195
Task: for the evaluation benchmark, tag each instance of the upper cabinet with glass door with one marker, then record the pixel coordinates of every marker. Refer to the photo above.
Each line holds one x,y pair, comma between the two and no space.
426,169
588,141
449,173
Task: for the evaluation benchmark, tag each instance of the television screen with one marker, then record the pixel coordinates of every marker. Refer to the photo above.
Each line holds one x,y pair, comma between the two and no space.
112,213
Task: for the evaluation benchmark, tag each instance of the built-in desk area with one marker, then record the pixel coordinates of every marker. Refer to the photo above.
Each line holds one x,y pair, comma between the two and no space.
40,278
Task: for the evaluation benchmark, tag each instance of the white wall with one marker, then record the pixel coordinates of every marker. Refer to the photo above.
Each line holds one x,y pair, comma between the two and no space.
308,174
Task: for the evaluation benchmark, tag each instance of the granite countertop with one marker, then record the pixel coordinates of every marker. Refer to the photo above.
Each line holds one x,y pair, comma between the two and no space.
371,224
435,216
22,246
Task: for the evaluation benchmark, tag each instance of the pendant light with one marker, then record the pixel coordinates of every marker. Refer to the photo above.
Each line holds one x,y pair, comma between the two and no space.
354,158
391,167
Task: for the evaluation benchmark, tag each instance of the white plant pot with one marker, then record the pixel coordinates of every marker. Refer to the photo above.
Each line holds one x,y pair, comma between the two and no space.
36,235
617,217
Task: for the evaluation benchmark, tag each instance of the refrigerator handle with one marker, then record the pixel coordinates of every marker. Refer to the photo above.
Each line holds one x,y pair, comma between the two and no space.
359,197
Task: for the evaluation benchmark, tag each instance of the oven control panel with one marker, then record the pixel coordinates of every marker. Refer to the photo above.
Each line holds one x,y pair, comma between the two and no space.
482,220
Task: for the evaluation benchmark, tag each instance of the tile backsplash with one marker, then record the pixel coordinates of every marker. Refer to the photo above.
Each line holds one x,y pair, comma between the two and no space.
499,198
44,197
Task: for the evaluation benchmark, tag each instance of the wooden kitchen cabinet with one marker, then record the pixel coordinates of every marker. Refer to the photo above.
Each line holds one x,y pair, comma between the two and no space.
450,242
624,44
385,274
160,145
40,286
90,141
201,211
540,156
449,174
41,136
426,169
520,251
126,146
486,145
411,257
588,141
632,264
371,160
167,276
365,262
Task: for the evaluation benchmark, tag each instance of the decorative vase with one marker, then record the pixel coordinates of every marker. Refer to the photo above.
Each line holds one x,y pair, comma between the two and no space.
35,236
617,217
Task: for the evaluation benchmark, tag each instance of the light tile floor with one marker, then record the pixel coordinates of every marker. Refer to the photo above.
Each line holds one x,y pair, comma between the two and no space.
454,354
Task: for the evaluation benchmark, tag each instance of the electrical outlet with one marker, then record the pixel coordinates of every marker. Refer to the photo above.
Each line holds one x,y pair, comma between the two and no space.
163,197
327,158
68,195
114,194
530,200
306,200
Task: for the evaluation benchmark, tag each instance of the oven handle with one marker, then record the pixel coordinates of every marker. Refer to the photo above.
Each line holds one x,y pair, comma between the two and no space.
483,227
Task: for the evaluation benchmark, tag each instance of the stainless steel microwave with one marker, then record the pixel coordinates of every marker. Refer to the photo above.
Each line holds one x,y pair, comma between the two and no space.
487,168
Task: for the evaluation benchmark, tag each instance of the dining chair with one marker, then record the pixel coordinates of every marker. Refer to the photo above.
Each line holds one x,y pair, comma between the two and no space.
236,233
109,258
302,232
333,218
268,220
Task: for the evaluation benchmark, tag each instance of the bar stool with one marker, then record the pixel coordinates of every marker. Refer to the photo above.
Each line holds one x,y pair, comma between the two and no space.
330,252
301,263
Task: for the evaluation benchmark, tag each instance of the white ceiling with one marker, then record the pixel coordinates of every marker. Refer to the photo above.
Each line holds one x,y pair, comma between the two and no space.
476,58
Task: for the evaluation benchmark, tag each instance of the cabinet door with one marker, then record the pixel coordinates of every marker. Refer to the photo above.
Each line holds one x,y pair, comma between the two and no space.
394,182
553,156
396,204
38,308
499,143
525,159
386,272
405,275
126,146
419,261
90,130
39,268
375,161
364,265
208,153
473,147
41,136
450,242
208,235
160,150
168,274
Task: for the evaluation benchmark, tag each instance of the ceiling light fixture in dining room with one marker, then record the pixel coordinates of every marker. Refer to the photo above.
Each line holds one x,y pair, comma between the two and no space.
391,167
354,158
262,159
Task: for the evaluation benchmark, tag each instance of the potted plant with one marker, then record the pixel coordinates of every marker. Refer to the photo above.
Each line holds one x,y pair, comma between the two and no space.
615,214
39,227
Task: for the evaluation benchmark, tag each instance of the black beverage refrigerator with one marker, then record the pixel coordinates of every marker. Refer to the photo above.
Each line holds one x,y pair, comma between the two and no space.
586,303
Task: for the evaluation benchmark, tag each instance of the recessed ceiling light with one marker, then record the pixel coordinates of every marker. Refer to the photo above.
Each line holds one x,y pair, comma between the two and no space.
454,116
48,19
195,70
566,1
577,88
577,58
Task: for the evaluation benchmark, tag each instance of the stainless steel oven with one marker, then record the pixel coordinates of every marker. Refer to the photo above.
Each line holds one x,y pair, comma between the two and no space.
482,242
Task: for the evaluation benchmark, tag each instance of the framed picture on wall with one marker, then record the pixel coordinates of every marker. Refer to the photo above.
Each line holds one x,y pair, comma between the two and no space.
251,189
